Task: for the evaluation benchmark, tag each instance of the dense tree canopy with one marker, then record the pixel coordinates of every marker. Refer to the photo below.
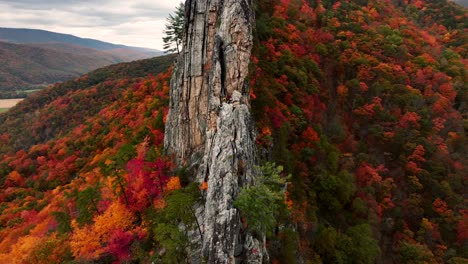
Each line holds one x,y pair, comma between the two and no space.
361,101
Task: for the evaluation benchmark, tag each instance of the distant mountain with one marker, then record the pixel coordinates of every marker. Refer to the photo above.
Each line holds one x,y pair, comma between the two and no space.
28,36
462,2
121,54
32,58
23,66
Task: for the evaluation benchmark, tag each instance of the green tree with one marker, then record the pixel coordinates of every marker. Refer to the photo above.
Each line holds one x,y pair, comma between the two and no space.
86,203
263,203
355,246
414,253
174,30
167,222
63,220
363,248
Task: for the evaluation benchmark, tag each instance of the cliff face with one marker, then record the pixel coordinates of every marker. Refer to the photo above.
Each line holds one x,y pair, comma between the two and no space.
209,125
227,166
214,63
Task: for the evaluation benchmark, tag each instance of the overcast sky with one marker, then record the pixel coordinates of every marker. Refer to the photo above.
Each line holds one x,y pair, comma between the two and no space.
129,22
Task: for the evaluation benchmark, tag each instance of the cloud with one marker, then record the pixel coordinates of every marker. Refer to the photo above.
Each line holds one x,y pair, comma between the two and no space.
135,23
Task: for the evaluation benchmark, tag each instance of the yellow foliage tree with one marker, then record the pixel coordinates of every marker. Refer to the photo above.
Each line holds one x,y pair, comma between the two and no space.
20,250
89,241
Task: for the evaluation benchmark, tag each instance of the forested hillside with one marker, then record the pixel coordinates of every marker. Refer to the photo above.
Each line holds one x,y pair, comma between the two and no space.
37,58
54,111
362,102
108,122
26,66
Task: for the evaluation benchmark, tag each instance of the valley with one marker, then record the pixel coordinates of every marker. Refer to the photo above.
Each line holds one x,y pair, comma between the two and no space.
32,58
6,104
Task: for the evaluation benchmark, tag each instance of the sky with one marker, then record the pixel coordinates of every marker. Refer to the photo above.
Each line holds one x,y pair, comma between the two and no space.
137,23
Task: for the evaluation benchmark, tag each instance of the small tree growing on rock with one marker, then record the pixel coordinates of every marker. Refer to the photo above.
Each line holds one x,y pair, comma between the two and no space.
262,203
174,30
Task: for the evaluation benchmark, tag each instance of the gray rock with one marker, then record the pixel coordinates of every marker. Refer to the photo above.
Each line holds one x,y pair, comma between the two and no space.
214,62
217,137
227,166
236,96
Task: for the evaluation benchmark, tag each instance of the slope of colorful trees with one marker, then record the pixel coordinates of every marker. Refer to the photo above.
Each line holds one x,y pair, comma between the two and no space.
82,191
362,102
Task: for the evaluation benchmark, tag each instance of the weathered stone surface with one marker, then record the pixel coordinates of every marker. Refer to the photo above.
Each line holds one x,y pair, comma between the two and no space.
188,107
209,124
214,62
227,166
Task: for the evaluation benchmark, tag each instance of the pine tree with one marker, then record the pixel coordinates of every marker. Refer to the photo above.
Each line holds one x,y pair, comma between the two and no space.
174,30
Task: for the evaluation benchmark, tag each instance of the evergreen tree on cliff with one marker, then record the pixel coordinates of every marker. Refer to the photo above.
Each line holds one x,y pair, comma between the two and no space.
174,30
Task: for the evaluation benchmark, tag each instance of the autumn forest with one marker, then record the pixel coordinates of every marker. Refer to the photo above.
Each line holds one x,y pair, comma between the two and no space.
363,103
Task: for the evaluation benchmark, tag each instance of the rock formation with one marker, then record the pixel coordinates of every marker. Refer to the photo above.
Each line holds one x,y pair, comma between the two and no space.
213,63
209,126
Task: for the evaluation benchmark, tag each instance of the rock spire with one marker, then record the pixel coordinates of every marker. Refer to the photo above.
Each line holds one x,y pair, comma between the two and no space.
209,126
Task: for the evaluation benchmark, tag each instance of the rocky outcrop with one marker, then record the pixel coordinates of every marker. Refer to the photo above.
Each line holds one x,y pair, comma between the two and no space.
213,63
227,166
209,124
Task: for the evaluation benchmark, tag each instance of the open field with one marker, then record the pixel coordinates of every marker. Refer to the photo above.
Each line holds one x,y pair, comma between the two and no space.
5,104
32,90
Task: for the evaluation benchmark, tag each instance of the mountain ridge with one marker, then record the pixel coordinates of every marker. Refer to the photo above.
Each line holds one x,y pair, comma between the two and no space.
34,58
26,65
29,36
